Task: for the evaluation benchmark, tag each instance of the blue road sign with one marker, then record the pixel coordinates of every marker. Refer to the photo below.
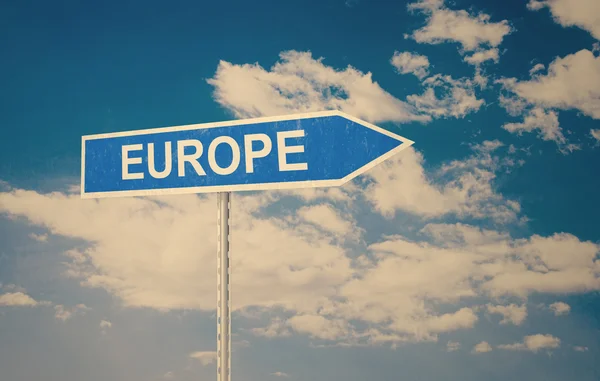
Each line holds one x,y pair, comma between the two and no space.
295,151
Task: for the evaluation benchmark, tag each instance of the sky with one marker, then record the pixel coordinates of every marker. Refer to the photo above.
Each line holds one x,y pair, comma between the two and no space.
473,254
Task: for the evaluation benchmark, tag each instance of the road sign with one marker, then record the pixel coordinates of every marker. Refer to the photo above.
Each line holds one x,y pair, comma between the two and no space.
296,151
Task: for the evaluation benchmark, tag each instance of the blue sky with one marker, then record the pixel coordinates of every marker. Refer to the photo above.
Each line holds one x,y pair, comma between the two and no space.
473,254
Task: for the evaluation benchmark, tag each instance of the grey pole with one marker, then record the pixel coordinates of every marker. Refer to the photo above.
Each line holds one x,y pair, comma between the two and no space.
223,290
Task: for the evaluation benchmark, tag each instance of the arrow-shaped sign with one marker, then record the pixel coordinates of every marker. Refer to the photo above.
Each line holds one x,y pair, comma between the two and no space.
321,149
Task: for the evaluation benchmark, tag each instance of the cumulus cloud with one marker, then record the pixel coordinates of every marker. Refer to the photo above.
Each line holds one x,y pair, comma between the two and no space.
533,343
411,63
471,31
571,82
105,325
301,83
452,346
462,187
510,314
445,97
482,347
560,308
39,237
482,56
204,357
63,313
595,134
17,299
584,14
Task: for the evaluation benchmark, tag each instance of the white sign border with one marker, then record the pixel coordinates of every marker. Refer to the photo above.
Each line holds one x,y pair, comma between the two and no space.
240,187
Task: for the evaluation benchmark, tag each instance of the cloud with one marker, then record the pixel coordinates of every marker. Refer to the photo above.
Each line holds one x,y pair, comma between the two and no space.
560,308
105,325
319,327
463,187
445,97
280,374
17,299
39,237
534,343
300,83
206,357
511,314
546,123
413,63
595,134
452,346
572,82
63,314
482,56
329,219
482,347
584,14
580,349
471,31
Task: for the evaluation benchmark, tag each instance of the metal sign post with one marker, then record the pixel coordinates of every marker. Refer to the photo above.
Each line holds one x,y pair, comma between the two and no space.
321,149
223,290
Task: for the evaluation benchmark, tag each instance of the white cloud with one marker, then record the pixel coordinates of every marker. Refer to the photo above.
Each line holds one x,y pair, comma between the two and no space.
580,349
17,299
39,237
328,219
300,83
105,324
280,374
546,123
560,308
472,31
572,82
169,375
511,314
482,56
445,96
62,313
205,357
413,63
463,188
595,134
319,327
534,343
482,347
536,69
584,14
452,346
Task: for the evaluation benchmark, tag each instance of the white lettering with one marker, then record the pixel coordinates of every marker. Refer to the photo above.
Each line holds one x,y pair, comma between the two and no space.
126,161
192,158
235,160
168,161
283,150
251,155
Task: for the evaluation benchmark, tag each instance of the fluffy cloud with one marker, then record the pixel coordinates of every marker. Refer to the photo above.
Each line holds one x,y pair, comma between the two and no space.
510,314
595,134
472,32
482,347
482,56
584,14
300,83
407,62
63,314
17,299
205,357
572,82
463,188
445,96
39,237
452,346
560,308
580,349
533,343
